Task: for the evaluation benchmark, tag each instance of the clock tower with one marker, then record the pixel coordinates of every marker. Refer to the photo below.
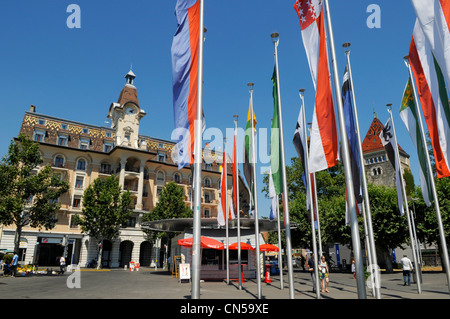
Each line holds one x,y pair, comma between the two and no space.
126,115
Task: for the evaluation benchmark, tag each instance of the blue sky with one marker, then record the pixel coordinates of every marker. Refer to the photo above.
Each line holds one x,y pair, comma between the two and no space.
77,73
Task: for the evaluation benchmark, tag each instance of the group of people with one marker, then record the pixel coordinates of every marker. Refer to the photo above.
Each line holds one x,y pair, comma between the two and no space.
15,262
324,271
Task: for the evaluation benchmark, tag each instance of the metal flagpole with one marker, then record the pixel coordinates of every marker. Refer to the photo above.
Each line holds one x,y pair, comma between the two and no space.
366,210
196,260
275,40
237,201
444,250
258,261
226,213
316,209
280,248
347,168
311,208
419,288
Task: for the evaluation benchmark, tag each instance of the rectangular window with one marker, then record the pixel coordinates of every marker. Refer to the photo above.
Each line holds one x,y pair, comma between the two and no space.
161,157
41,122
108,134
39,136
85,131
64,126
76,202
79,182
73,224
107,147
62,140
84,144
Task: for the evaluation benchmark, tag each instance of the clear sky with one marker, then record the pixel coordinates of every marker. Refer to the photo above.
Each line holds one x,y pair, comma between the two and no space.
77,73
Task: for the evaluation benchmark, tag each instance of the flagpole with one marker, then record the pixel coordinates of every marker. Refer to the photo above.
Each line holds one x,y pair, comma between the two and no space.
226,213
408,217
196,260
311,208
316,212
275,40
366,212
347,168
237,202
433,185
280,248
258,261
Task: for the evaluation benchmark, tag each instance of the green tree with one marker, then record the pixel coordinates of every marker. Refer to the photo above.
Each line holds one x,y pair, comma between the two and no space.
170,205
28,195
105,209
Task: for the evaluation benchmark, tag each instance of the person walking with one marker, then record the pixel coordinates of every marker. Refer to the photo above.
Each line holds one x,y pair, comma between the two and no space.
407,268
323,274
353,268
13,264
62,265
311,268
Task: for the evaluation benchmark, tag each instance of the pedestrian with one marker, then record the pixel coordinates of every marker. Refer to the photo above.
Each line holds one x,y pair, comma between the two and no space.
323,274
13,264
407,268
62,265
353,267
311,268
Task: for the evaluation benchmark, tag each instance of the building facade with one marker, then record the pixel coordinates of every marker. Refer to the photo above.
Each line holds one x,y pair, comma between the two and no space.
79,153
379,170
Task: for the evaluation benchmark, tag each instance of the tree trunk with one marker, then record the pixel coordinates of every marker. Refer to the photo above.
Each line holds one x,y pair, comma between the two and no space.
17,238
100,252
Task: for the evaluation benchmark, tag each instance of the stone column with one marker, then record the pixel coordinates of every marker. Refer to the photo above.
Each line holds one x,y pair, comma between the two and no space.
140,185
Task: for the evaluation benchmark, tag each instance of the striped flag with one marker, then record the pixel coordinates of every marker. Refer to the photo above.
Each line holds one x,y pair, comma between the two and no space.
434,18
409,117
433,98
324,138
389,141
184,53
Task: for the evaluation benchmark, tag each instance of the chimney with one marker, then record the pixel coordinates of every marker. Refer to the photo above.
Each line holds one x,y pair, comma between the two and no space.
33,108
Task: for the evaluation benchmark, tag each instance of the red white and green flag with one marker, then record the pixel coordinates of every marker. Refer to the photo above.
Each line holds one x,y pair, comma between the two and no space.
433,97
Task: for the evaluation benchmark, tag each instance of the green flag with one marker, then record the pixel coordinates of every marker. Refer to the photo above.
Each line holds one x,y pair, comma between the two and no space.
275,151
410,119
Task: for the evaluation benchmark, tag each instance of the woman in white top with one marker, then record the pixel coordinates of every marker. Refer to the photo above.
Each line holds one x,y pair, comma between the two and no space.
323,274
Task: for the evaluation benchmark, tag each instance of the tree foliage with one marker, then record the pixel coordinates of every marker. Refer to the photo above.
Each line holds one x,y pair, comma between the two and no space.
28,193
170,205
105,209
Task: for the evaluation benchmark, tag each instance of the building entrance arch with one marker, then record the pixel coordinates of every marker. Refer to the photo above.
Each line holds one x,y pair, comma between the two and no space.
145,253
126,248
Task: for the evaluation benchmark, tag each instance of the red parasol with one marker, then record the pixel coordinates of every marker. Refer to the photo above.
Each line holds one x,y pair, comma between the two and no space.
268,247
244,246
205,242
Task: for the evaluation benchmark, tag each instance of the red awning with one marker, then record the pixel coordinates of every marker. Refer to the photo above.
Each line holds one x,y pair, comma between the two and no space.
205,242
268,247
244,246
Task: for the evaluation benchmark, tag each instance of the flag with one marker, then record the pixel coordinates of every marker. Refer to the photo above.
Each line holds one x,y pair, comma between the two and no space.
352,138
184,54
434,19
433,98
222,207
300,144
409,117
324,140
389,142
248,150
275,150
273,195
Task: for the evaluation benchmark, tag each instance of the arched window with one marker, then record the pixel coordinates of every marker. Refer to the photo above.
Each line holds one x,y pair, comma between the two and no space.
160,176
81,164
59,161
177,178
207,182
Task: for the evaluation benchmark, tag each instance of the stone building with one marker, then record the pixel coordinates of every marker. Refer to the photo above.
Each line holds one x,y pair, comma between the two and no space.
379,170
80,153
